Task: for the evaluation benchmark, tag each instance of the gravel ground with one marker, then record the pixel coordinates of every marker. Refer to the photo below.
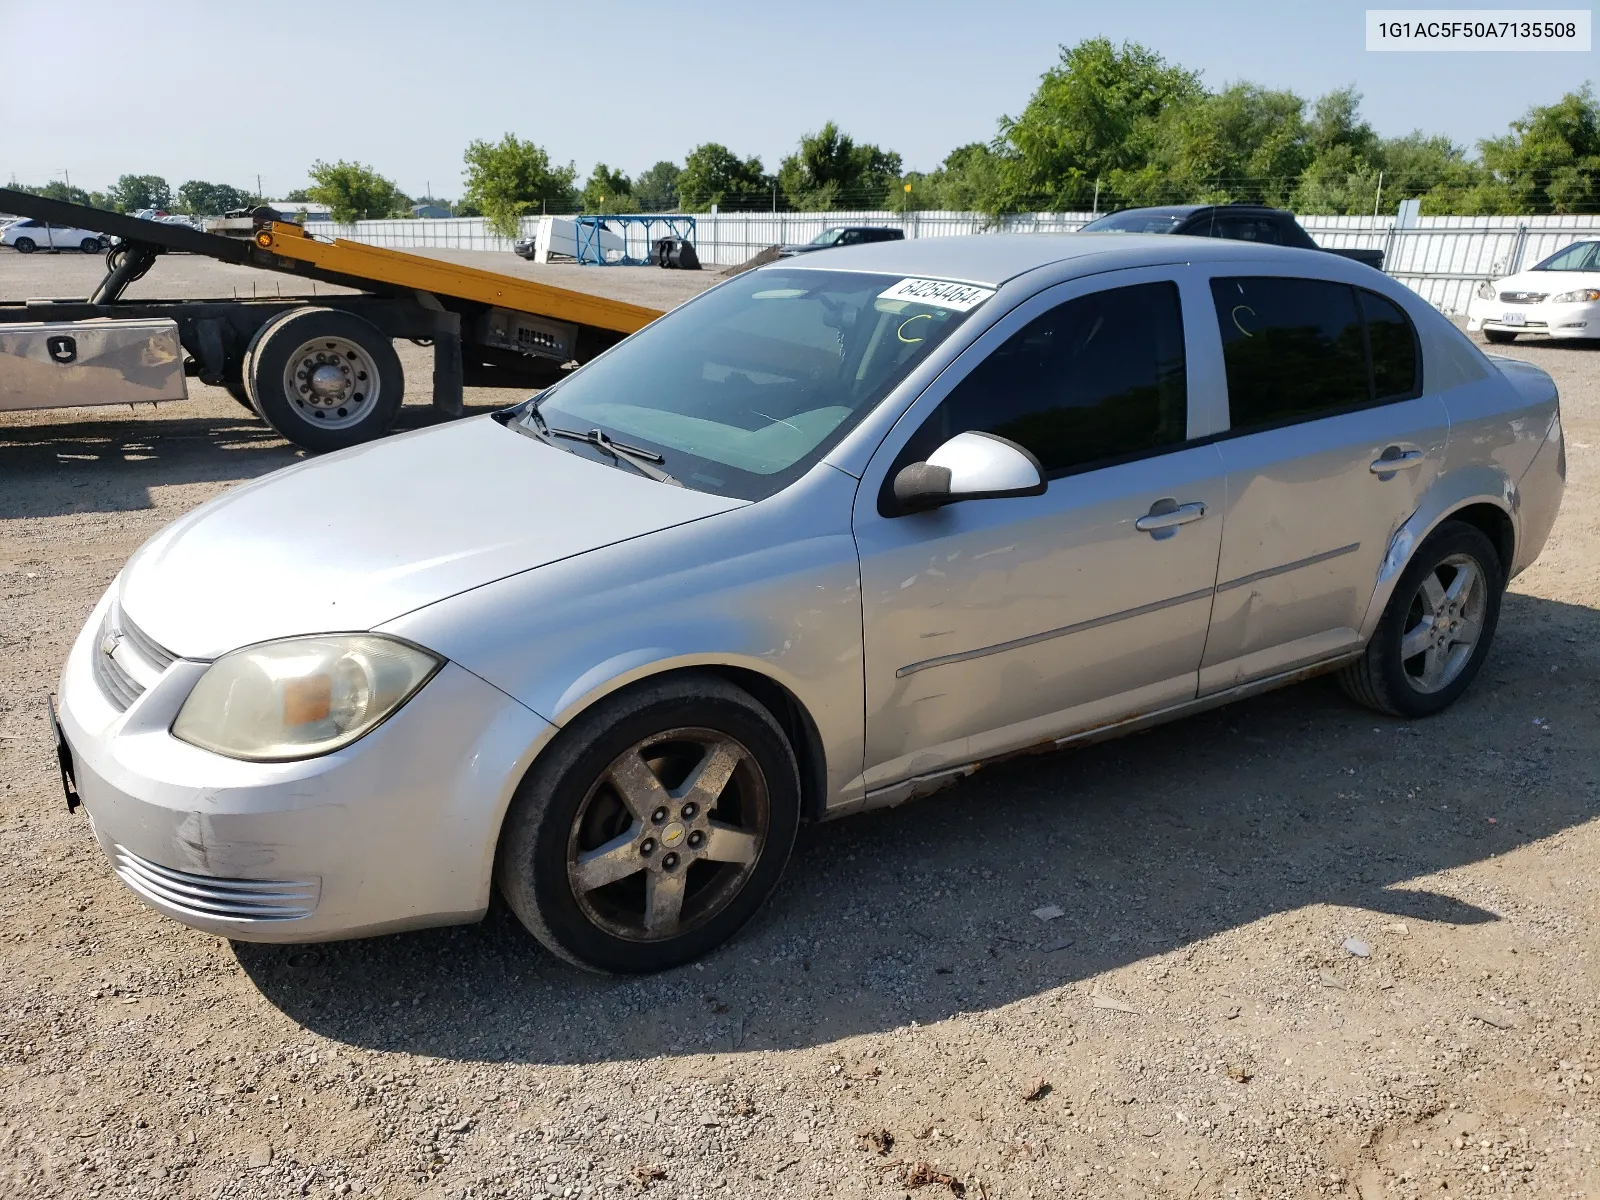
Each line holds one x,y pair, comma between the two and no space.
898,1022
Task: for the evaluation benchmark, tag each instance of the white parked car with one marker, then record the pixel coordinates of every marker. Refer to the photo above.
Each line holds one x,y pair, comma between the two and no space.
1559,298
29,235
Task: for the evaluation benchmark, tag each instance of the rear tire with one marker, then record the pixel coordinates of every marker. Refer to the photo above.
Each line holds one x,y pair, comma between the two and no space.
236,389
616,861
1499,336
1430,642
25,245
324,379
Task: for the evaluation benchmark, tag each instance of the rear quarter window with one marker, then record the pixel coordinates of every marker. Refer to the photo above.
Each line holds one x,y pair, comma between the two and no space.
1299,349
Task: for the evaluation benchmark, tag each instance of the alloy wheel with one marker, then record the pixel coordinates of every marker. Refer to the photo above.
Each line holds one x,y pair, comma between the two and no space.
668,834
1444,623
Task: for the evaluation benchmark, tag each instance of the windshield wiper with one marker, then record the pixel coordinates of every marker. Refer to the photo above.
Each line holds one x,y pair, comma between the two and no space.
532,424
637,457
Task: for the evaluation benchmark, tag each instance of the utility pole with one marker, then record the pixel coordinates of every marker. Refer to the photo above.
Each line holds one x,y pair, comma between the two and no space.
1096,209
1378,199
259,196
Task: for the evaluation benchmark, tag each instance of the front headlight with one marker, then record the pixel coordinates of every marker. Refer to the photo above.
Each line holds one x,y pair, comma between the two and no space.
301,697
1581,296
1486,290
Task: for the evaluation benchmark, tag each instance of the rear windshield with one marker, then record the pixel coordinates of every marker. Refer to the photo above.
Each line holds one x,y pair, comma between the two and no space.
742,390
1135,221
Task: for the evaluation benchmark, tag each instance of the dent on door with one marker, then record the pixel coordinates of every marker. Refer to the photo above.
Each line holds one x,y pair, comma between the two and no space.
994,625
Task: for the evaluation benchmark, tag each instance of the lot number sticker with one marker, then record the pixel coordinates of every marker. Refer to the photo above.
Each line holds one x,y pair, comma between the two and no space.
939,293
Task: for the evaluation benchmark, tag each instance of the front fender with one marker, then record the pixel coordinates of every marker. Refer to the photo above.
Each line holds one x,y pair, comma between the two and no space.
772,588
1450,494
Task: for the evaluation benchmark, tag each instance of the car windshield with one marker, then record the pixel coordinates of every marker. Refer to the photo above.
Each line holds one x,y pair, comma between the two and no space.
826,238
1580,256
1135,221
744,389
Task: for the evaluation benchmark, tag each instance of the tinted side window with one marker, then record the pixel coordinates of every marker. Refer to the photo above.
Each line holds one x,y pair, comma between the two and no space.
1100,377
1293,349
1249,229
1393,343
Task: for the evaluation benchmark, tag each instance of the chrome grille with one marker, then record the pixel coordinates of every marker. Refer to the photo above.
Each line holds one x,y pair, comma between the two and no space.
157,656
126,660
214,898
1523,297
120,688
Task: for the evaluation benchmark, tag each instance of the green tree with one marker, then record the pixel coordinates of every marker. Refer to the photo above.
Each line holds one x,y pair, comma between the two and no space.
133,192
608,191
299,196
971,179
56,190
656,190
354,192
712,174
202,199
830,171
508,178
1550,159
1095,114
1244,143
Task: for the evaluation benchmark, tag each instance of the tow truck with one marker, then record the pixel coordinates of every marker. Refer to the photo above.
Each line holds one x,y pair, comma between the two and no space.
320,369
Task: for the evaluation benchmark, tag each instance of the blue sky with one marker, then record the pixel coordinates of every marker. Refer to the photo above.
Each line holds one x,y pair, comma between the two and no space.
225,92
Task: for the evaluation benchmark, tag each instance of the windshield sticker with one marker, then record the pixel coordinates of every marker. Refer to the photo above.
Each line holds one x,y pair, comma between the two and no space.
939,293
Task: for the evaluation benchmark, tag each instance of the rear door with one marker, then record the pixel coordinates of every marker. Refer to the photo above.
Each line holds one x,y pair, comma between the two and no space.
1330,445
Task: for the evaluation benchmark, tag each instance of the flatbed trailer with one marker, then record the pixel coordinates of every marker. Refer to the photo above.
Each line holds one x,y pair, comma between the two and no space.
320,369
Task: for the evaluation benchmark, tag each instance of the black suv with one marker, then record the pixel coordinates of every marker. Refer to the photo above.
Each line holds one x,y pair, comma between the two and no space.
845,235
1240,222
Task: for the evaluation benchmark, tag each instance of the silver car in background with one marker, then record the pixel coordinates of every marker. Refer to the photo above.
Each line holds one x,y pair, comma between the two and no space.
828,537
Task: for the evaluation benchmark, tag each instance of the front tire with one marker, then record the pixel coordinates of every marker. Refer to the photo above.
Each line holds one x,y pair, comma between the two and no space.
1499,336
653,827
324,379
1436,629
90,245
25,245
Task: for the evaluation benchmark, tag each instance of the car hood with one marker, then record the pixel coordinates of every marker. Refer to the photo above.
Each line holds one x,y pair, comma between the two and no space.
1550,283
357,538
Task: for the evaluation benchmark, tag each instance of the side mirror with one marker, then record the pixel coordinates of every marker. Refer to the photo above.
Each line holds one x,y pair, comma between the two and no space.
970,466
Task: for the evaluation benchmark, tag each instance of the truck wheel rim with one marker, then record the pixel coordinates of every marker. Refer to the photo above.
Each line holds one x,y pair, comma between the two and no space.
1444,623
331,382
668,834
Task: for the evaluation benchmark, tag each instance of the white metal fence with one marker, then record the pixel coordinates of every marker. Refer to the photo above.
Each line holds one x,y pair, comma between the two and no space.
1442,258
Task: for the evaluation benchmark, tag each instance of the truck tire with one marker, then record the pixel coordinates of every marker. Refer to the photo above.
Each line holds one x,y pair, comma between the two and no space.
25,245
324,379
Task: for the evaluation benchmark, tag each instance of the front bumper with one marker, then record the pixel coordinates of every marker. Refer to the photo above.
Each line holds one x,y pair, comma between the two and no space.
396,831
1549,320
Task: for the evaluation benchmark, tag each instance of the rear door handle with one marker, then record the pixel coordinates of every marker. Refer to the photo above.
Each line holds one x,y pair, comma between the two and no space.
1395,459
1166,515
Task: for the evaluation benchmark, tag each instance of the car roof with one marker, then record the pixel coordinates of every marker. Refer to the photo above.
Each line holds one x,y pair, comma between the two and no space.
992,259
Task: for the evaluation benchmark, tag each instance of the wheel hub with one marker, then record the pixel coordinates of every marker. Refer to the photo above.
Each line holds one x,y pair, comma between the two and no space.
328,383
332,382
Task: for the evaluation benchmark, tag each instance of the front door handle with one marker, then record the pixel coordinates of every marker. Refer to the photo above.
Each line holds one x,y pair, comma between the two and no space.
1395,459
1166,515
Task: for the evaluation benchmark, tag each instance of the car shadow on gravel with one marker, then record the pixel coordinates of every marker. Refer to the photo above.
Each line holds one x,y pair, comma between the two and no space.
1149,844
107,463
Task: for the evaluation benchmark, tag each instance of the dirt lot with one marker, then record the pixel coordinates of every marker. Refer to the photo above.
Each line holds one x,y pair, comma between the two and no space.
897,1022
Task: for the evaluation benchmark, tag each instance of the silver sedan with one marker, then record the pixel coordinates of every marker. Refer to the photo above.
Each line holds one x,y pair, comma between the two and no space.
832,535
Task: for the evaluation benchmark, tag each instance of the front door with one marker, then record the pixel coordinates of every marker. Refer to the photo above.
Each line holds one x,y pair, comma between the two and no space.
1331,446
994,624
